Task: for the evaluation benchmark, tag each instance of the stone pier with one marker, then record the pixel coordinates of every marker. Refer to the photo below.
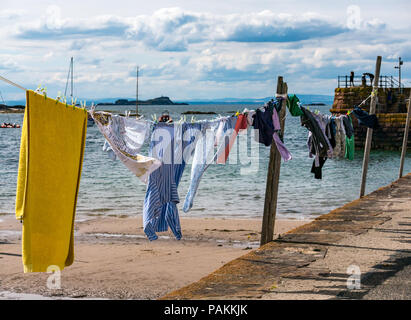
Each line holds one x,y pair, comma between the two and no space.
391,111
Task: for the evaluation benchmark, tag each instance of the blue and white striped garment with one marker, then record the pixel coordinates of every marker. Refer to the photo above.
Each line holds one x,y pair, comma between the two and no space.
168,143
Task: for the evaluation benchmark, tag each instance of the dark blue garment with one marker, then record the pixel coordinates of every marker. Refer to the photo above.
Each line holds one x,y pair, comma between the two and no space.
318,170
349,130
333,126
365,119
263,121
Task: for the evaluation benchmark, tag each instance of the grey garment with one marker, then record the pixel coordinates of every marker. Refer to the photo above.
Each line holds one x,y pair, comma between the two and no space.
339,149
343,140
317,141
323,121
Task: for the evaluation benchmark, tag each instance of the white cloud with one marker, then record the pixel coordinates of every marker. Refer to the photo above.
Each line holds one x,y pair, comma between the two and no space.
48,55
11,14
174,29
9,63
52,26
192,54
53,18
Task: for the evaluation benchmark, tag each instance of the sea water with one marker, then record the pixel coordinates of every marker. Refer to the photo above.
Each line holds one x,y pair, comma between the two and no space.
108,188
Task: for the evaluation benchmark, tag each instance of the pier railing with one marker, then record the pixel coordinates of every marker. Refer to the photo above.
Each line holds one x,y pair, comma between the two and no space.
385,82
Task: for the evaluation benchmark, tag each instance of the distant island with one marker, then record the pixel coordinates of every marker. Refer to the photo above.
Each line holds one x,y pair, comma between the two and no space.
155,101
11,109
198,112
315,104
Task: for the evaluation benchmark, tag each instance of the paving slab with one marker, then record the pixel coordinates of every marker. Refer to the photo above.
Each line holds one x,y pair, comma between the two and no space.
358,251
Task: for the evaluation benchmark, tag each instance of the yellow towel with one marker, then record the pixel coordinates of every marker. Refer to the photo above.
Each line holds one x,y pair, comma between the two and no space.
51,157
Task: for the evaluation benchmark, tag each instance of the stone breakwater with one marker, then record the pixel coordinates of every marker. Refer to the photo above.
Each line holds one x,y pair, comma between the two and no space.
391,111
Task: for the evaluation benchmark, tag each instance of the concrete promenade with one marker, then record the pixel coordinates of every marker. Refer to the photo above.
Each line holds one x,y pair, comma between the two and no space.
359,251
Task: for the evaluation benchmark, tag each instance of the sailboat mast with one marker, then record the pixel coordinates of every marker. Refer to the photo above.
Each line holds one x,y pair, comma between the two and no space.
137,95
72,72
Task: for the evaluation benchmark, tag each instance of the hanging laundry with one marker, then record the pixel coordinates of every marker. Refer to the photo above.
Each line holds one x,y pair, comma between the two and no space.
317,170
339,148
333,126
317,142
330,130
51,157
293,106
250,116
241,124
323,121
349,139
211,136
274,104
267,122
168,144
222,141
263,122
342,137
107,148
349,130
277,136
365,119
124,138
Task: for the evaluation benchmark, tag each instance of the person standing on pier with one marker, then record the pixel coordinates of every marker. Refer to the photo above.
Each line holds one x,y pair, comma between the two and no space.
352,79
371,77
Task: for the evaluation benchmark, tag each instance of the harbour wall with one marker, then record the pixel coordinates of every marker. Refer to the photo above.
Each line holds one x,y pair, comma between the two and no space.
391,111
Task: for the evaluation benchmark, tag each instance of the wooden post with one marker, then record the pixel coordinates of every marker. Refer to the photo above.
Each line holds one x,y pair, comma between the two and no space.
405,139
273,175
368,139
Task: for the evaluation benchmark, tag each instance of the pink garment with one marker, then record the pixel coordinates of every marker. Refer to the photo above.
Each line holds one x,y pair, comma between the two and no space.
285,154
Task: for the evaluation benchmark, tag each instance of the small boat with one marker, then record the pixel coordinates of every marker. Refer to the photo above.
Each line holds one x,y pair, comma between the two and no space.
165,117
9,125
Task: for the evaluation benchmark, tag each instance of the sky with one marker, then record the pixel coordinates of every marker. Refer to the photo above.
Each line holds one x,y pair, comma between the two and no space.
193,50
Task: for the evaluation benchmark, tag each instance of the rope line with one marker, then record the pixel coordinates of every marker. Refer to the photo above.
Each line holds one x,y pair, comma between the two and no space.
12,83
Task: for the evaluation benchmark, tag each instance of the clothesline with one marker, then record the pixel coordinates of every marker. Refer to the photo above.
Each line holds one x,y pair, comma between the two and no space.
12,83
364,101
276,133
127,136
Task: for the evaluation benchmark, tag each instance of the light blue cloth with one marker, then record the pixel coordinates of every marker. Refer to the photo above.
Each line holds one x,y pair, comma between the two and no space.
107,148
168,144
212,133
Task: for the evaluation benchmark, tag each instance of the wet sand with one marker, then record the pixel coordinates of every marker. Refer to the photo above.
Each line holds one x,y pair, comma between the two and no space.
114,259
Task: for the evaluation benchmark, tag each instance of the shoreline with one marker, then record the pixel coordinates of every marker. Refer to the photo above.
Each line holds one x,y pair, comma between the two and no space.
12,111
115,260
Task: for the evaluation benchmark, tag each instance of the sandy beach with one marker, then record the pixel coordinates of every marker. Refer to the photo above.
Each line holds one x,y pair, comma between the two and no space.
114,260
